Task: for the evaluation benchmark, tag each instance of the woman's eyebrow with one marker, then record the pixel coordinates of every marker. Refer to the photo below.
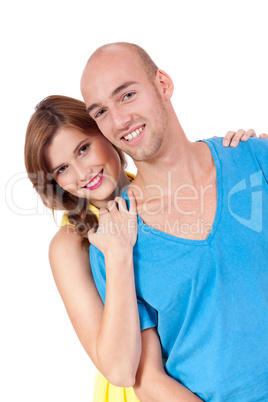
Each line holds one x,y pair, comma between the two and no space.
79,145
56,168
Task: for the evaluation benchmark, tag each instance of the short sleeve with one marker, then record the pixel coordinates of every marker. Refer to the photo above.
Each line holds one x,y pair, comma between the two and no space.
148,315
65,220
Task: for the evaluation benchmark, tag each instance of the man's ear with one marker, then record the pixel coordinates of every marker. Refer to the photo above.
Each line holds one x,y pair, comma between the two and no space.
164,84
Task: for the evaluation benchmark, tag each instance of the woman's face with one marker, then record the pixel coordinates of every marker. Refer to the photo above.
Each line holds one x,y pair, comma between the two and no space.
85,166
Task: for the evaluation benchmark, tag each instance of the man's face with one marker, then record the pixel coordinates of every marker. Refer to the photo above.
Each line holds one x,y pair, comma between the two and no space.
126,105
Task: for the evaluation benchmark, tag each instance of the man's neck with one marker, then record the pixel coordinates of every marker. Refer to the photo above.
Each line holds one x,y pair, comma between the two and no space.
178,159
178,190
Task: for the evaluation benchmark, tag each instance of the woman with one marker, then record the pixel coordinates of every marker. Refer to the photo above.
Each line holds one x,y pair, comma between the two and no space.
74,168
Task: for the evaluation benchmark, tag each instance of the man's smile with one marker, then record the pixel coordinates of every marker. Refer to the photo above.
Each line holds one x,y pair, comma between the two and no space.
133,134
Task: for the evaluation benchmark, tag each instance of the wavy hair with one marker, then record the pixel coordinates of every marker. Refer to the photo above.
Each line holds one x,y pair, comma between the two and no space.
51,114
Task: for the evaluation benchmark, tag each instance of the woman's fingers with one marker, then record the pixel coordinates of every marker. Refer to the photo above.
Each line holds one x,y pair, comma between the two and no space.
119,204
117,226
91,234
111,205
263,135
132,202
122,206
103,211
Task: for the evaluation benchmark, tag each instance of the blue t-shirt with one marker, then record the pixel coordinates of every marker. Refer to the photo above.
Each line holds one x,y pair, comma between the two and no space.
209,298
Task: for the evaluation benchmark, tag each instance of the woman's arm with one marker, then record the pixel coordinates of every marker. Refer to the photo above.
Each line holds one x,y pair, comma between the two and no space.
152,382
110,334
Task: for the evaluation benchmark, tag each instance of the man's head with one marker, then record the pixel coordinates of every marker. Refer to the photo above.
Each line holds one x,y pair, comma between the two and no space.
128,97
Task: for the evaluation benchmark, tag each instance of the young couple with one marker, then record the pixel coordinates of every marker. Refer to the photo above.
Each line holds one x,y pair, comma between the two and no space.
198,267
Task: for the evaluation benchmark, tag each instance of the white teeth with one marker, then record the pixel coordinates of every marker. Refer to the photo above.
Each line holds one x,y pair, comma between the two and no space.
134,134
95,181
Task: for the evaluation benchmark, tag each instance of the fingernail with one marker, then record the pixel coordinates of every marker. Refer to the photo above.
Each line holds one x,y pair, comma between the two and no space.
234,144
226,143
245,137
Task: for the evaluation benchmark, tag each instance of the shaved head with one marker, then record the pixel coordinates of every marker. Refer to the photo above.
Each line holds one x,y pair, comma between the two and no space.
126,93
145,60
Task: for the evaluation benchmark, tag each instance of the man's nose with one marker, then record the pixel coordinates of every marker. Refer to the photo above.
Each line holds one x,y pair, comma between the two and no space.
121,117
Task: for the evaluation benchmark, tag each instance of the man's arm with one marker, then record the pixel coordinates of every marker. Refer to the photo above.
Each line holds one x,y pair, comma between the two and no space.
152,382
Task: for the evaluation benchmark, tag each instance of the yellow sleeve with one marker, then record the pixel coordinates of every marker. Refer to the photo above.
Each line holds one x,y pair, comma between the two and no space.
65,221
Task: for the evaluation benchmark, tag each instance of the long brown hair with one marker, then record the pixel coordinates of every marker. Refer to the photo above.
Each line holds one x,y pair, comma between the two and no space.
51,114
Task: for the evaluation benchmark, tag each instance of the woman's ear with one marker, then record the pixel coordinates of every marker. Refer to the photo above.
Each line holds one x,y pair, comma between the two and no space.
164,84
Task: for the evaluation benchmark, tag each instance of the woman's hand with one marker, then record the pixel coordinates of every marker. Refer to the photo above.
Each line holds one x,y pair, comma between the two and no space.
232,138
117,229
119,337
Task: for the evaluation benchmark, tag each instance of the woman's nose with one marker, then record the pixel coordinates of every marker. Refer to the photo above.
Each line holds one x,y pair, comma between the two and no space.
82,172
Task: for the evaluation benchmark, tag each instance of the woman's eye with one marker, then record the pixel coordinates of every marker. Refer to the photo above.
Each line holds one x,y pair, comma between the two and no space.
83,149
61,170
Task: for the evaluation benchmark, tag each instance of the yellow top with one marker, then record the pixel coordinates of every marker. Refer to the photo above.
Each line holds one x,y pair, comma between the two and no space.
65,221
91,207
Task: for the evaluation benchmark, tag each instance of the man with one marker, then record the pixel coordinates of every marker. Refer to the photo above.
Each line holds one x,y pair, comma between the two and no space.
202,251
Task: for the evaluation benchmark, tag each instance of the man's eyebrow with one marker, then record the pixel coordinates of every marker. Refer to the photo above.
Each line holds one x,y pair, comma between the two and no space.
93,106
115,92
122,87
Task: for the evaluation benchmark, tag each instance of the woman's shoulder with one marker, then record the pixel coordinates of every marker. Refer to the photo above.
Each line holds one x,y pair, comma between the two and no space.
65,242
66,234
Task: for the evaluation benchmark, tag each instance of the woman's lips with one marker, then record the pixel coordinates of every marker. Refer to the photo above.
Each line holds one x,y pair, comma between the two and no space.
95,182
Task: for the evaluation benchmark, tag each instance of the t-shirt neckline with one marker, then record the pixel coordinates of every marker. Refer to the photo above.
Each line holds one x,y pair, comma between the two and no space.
209,238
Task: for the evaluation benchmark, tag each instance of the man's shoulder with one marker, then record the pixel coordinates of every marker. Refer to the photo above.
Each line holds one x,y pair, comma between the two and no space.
254,143
258,145
246,156
259,148
245,149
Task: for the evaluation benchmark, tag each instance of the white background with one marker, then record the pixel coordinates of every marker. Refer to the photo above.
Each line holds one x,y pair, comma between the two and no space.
216,53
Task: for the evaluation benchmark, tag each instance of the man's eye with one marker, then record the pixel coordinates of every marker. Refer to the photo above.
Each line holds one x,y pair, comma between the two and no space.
128,95
99,113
